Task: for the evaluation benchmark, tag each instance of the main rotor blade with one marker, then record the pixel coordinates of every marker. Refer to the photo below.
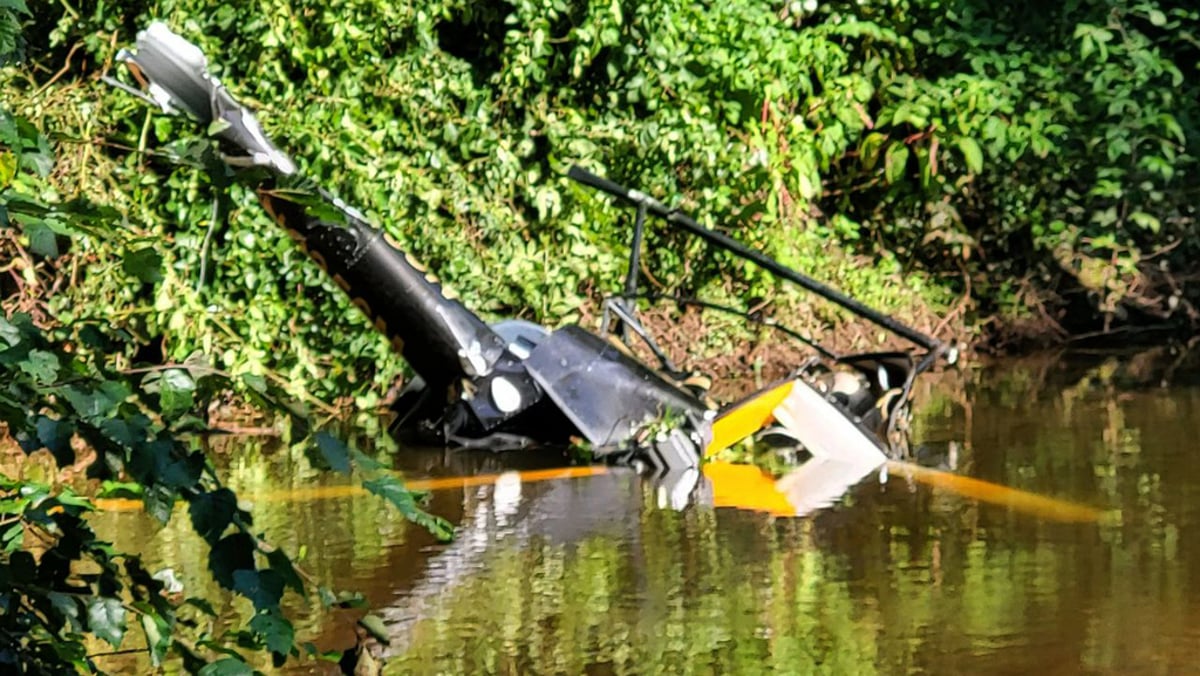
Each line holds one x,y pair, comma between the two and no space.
1042,506
311,493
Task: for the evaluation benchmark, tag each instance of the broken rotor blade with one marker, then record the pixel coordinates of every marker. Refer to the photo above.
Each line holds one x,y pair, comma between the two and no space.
1042,506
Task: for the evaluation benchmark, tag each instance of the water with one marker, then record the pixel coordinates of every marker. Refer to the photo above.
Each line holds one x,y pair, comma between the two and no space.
593,575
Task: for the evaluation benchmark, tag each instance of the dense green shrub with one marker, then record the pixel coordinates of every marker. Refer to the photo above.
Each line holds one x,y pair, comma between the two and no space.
67,391
1032,158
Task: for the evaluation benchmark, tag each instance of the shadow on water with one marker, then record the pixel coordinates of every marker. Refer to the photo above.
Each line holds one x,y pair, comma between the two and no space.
591,575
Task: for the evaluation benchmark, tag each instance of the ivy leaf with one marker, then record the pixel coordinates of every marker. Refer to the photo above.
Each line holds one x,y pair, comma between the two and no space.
212,513
43,241
176,393
277,632
106,619
159,501
228,666
55,435
144,264
95,403
334,452
68,607
232,553
264,588
281,564
41,365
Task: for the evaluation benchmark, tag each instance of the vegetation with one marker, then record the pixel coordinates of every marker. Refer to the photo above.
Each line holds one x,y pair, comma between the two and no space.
1034,161
1023,169
69,393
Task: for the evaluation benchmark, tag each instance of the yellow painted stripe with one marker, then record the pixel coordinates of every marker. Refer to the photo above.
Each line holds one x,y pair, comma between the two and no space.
746,417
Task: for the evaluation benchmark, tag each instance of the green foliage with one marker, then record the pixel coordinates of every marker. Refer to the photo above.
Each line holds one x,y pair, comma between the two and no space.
63,389
969,147
452,127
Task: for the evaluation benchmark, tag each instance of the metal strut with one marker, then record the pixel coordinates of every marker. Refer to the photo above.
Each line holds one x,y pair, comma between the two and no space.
677,218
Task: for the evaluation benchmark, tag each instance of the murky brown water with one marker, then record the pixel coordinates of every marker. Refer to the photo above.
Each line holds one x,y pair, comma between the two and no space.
595,575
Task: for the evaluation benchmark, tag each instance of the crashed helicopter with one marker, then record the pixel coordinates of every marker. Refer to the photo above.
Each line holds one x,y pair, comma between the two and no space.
516,384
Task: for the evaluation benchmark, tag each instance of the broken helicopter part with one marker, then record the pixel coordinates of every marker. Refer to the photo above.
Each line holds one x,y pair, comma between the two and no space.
516,384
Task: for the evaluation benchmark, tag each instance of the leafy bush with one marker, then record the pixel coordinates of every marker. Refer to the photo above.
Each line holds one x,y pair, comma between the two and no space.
1032,158
61,392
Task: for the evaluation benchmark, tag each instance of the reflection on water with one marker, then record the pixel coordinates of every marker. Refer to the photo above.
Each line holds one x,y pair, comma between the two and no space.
590,574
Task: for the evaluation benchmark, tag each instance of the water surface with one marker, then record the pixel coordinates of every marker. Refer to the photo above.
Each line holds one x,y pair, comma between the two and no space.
600,575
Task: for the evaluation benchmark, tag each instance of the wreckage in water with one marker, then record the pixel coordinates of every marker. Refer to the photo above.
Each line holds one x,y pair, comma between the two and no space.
516,384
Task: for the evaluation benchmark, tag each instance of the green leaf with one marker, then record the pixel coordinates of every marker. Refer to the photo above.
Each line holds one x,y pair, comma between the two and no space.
144,264
55,435
276,631
159,501
264,588
255,382
212,513
341,599
895,162
42,365
1146,221
10,332
392,489
106,619
228,666
158,634
69,607
43,241
176,392
281,564
1158,18
232,553
972,154
16,6
13,538
334,452
868,151
96,402
365,462
120,489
